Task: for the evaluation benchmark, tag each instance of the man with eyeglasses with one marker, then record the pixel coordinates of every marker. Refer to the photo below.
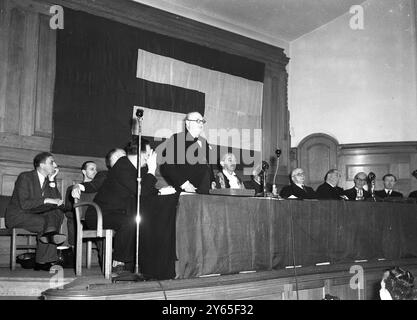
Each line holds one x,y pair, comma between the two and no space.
358,192
297,189
330,190
185,161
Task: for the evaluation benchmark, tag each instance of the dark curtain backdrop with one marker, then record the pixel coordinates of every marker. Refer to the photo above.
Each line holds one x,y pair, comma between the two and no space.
96,85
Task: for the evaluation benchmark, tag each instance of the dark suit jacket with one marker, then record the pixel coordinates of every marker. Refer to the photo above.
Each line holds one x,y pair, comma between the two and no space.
351,194
178,169
28,197
326,191
95,184
119,190
382,194
294,190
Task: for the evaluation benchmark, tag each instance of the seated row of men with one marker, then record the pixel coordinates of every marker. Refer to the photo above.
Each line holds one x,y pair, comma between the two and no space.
227,178
330,189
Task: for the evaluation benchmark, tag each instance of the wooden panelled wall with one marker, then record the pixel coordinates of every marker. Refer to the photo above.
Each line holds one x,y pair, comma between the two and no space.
318,153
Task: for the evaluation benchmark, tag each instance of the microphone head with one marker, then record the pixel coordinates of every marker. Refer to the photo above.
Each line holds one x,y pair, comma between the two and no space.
265,165
278,152
139,113
371,176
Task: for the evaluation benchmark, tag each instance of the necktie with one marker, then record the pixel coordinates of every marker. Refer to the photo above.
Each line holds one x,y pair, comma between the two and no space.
45,182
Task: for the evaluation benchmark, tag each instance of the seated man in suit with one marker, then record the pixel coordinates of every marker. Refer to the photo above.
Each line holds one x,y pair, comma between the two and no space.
227,178
358,192
388,192
329,189
36,206
297,189
185,161
89,171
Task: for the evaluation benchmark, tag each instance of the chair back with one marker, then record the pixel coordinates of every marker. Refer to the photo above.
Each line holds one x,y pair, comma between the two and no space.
81,205
4,202
85,197
80,211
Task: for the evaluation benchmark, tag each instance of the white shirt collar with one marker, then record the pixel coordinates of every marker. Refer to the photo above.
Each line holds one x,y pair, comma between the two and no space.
41,178
388,191
233,180
300,186
227,174
330,184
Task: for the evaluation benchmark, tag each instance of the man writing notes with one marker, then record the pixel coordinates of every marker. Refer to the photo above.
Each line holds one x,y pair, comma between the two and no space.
36,206
185,160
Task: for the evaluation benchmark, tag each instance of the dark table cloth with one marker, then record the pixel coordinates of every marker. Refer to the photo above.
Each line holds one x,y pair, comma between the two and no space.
224,234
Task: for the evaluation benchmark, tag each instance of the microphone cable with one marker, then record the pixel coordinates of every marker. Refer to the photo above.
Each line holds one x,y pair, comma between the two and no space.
163,290
293,254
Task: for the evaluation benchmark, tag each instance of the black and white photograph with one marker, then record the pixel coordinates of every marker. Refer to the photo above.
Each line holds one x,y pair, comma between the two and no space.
207,156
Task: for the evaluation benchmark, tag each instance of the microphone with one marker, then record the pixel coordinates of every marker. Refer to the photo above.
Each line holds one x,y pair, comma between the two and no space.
371,181
265,166
371,177
137,121
278,152
139,113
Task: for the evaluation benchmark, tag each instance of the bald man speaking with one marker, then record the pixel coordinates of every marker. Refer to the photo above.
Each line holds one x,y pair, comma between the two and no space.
185,161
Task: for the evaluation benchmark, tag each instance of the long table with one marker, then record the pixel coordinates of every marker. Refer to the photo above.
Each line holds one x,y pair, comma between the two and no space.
224,234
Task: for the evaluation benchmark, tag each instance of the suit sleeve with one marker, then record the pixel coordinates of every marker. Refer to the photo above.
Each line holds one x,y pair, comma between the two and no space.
285,192
95,184
148,182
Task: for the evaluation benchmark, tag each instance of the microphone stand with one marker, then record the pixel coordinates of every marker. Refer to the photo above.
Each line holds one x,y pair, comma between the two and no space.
136,276
274,186
265,167
371,178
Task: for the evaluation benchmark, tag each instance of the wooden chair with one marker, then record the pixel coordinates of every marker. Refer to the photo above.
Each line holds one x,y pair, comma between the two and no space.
14,233
80,207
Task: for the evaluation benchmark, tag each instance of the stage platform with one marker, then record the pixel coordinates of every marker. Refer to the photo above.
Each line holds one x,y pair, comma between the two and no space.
356,281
